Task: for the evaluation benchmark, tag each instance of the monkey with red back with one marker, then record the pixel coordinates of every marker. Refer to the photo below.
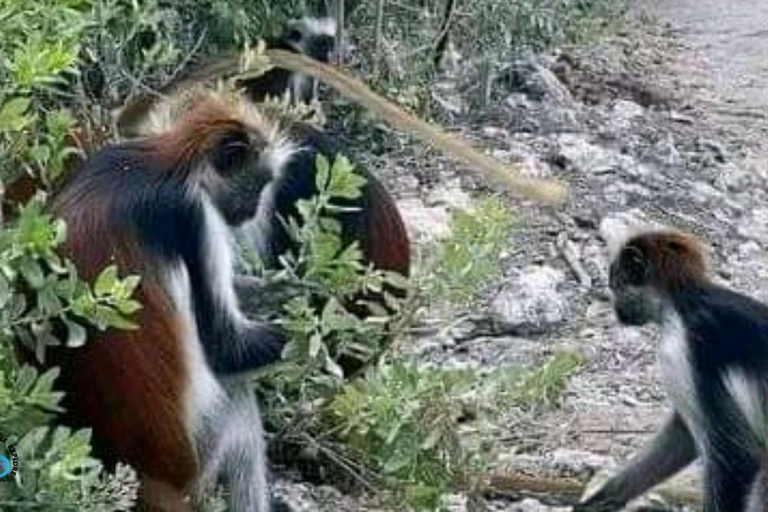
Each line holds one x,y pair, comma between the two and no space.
714,363
164,207
373,219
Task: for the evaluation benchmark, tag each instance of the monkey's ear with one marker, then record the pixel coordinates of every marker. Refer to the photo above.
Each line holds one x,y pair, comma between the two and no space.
231,151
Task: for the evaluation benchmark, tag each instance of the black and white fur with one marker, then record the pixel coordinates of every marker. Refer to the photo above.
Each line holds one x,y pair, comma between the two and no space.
312,37
714,362
166,207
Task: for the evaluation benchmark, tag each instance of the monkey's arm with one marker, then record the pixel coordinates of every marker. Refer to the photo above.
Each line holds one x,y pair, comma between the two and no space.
671,450
232,343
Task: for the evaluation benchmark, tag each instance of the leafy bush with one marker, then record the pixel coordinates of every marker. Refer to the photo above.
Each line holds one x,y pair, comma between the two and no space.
409,432
402,422
471,256
42,301
39,293
483,32
322,331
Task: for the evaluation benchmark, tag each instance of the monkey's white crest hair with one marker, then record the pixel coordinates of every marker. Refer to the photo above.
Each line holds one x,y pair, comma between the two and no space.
316,26
619,229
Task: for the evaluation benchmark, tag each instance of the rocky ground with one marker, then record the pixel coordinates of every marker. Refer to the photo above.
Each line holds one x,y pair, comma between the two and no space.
655,125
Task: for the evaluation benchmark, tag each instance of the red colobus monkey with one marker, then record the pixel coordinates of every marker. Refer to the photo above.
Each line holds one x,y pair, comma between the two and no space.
714,361
372,220
164,207
376,222
313,37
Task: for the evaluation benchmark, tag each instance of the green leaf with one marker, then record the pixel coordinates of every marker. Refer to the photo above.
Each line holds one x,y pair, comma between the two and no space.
32,272
128,306
5,291
323,171
76,334
111,318
106,282
315,345
13,116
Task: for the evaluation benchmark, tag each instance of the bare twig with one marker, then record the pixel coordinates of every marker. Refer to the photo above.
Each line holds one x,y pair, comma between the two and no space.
443,37
378,34
571,257
339,15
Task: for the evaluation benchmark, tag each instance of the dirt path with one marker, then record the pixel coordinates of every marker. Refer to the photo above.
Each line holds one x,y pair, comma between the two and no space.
724,45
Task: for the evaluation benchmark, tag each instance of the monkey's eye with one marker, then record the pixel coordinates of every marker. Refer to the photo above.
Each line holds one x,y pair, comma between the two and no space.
293,35
633,267
231,151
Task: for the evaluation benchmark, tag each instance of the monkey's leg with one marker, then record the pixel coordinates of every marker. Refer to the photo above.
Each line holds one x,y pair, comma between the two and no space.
759,498
232,451
671,450
729,479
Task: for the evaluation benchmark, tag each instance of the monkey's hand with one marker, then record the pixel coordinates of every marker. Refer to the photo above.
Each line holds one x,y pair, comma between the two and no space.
601,502
263,345
255,345
601,495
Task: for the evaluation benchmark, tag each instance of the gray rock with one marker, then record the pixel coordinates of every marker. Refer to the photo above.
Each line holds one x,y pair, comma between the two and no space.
665,152
533,301
555,119
532,505
623,113
530,164
539,83
754,226
732,178
449,195
424,224
578,462
584,157
454,503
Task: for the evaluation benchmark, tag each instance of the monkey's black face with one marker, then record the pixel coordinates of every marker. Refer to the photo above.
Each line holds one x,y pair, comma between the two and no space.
240,176
634,300
320,48
636,306
311,39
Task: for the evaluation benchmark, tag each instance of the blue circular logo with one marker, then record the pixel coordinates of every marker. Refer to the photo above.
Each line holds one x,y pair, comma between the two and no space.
5,466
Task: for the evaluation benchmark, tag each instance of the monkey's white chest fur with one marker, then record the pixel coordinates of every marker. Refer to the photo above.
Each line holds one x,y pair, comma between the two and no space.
677,372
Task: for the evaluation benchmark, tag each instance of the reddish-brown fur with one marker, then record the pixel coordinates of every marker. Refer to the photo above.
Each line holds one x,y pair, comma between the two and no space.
677,259
129,385
196,133
386,245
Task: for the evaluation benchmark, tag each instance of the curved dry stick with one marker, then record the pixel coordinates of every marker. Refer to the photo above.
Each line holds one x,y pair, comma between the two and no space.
548,191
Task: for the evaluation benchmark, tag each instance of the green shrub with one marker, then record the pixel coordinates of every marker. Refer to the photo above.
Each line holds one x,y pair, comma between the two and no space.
40,292
408,432
483,31
471,257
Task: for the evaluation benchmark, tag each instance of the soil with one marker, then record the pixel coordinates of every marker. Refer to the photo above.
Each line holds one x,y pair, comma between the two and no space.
664,123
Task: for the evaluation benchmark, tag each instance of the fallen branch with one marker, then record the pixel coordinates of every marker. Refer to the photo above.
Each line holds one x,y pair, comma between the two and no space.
568,491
